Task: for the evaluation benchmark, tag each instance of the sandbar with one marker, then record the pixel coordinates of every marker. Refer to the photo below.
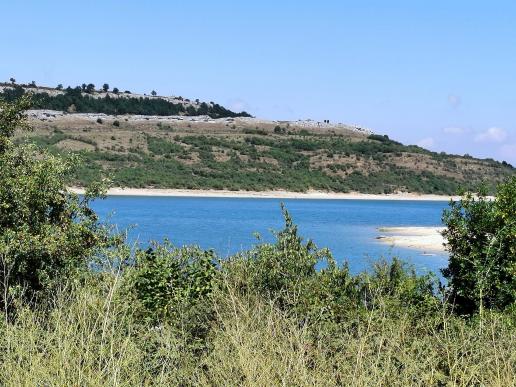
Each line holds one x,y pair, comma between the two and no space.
428,239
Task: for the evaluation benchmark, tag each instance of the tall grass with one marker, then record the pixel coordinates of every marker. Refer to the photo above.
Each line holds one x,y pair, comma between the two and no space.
90,335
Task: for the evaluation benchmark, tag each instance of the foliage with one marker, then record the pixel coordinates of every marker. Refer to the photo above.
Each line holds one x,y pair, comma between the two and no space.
283,271
257,162
279,130
306,283
481,236
83,102
176,286
45,231
168,282
160,147
12,117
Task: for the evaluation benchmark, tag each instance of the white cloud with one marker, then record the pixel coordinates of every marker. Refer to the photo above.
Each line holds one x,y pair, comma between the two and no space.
454,130
454,100
491,135
427,142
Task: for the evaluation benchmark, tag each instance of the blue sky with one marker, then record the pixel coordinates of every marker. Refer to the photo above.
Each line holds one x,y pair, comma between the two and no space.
441,74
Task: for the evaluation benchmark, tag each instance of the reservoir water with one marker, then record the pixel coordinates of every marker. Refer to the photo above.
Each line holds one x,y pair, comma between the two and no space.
347,227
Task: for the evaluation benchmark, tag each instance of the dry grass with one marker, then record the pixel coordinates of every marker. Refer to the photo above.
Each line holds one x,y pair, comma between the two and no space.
89,336
256,345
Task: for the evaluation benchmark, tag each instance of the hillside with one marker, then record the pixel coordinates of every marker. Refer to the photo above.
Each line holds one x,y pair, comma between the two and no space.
251,154
171,142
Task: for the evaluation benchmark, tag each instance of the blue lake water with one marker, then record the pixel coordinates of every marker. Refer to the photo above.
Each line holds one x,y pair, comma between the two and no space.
227,225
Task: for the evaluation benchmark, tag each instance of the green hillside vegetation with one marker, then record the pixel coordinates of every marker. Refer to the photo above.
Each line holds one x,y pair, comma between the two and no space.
244,159
77,100
232,153
80,306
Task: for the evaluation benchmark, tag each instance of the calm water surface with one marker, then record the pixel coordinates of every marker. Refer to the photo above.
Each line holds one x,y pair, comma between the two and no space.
228,225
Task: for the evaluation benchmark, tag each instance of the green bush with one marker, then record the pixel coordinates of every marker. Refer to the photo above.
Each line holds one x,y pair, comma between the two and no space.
160,146
168,281
279,130
281,271
481,235
45,231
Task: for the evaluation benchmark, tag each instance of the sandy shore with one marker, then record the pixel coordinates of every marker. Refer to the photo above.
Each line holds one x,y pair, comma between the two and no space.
428,239
266,194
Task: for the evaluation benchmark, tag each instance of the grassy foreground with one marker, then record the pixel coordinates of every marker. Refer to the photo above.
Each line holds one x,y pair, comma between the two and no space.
171,316
90,335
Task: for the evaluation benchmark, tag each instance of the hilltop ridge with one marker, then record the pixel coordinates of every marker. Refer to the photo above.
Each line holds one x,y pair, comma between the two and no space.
87,99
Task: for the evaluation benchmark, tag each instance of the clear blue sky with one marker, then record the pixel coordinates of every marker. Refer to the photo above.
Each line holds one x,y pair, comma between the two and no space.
438,73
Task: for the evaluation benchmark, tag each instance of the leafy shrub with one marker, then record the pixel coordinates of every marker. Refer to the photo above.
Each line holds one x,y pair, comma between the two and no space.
279,130
257,131
278,270
173,286
481,236
45,232
306,282
379,137
160,146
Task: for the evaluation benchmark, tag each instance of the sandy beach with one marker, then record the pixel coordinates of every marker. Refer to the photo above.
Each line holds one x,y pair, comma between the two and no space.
266,194
428,239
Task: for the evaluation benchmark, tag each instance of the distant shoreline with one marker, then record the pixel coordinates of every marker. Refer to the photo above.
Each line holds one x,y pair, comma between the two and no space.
268,194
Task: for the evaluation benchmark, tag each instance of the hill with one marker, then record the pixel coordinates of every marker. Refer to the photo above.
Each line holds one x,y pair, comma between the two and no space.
244,153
